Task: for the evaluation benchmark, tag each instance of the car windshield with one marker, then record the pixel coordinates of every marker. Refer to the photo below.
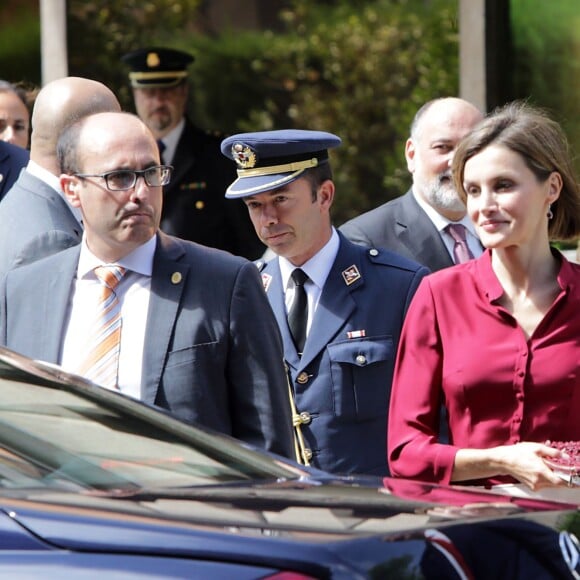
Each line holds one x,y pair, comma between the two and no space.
58,431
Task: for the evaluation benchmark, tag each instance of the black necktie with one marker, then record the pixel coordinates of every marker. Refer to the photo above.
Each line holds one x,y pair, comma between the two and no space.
161,146
298,315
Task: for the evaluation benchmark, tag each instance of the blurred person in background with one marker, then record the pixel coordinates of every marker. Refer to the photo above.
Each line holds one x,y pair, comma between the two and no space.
37,219
194,207
14,114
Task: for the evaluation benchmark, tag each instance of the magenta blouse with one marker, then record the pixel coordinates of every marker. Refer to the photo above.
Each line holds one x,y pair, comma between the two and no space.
460,347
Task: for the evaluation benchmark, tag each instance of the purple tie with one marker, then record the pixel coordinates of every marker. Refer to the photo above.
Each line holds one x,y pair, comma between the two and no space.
461,251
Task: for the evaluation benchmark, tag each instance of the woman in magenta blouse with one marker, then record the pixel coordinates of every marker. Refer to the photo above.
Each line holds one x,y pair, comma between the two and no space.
497,339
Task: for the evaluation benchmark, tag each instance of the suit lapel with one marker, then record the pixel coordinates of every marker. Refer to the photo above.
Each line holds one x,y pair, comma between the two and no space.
167,283
276,296
336,303
417,232
53,304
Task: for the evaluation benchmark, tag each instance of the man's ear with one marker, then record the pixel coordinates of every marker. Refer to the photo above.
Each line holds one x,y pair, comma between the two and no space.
70,186
326,194
410,154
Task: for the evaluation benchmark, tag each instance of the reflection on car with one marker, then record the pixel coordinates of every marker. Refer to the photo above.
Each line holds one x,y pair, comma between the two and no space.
95,483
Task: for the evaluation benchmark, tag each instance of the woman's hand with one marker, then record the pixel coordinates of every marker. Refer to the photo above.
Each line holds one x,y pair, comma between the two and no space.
522,461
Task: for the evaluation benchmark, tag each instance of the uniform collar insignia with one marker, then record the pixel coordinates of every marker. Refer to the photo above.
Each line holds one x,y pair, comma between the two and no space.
351,275
266,280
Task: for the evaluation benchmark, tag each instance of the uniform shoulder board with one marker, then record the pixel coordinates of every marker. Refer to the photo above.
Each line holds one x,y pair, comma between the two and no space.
260,264
380,256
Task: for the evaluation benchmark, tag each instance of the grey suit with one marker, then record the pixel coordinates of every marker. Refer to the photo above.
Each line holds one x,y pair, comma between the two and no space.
213,352
35,221
400,225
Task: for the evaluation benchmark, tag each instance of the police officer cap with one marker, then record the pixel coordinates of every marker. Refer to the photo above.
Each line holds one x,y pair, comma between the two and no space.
157,67
267,160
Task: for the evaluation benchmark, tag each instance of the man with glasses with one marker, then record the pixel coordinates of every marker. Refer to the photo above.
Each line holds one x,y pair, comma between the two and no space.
194,207
184,327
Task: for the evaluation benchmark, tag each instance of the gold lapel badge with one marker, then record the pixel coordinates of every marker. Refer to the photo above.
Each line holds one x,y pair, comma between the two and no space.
176,277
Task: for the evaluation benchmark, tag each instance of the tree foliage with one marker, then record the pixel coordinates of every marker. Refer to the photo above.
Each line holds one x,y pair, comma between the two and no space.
100,32
358,69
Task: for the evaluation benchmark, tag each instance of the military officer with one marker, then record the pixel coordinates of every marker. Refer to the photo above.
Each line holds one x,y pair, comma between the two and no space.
339,306
193,206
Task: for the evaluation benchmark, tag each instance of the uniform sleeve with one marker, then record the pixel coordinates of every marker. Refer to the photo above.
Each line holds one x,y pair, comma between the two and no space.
259,396
413,450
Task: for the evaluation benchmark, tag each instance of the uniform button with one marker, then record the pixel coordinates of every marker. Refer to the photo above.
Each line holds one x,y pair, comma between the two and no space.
517,419
361,360
374,252
305,417
308,453
520,396
302,378
521,374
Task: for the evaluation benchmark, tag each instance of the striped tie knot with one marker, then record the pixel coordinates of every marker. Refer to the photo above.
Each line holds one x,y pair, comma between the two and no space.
109,276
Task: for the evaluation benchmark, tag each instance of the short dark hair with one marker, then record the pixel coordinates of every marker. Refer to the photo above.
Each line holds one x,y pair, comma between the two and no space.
318,175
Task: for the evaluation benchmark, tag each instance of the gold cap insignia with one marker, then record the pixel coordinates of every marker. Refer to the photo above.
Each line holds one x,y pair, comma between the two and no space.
176,277
153,60
351,275
244,156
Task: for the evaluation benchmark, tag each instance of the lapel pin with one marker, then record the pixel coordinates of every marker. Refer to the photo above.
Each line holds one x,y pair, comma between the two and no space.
351,275
176,277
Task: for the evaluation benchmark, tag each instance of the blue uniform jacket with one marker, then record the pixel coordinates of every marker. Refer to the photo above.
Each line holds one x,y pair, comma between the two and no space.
342,383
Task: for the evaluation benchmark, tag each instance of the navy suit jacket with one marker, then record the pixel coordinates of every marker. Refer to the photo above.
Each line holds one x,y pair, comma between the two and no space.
12,160
400,225
212,355
342,382
35,221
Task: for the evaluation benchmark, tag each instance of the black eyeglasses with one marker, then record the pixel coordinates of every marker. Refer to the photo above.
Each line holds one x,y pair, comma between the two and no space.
123,179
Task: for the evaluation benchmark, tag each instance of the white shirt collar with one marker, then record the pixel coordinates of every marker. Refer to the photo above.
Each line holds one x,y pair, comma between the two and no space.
318,267
171,140
439,221
140,260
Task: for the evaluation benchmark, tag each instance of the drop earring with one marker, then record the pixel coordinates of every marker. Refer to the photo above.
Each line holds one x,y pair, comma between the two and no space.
550,213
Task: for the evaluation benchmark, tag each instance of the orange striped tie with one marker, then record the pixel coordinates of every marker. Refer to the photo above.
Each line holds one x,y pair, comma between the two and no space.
102,362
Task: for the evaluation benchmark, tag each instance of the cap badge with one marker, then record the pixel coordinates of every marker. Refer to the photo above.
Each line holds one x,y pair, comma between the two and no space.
153,60
351,275
244,155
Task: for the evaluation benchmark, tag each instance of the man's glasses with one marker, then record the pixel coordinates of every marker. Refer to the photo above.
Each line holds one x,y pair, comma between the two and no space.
123,179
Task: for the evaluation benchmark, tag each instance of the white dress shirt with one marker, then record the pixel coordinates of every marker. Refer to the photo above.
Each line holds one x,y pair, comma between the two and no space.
317,269
133,293
170,141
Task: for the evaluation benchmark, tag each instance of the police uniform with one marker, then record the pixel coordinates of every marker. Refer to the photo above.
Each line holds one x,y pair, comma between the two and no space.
194,207
341,382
